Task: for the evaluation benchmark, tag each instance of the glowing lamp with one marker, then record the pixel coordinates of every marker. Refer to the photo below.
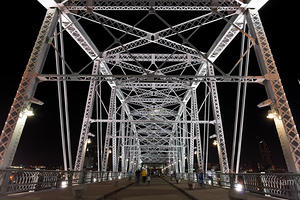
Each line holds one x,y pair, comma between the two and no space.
238,187
89,141
28,112
271,114
215,143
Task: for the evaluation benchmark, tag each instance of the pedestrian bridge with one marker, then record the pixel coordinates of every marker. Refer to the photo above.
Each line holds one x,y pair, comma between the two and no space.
88,185
152,98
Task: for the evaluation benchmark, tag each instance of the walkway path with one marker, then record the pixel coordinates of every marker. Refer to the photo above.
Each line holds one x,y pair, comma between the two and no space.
158,189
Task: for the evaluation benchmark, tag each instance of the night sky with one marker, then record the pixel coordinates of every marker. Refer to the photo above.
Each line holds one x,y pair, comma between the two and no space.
41,142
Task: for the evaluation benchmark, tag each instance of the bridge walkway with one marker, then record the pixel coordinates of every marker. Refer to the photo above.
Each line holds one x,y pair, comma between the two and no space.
159,188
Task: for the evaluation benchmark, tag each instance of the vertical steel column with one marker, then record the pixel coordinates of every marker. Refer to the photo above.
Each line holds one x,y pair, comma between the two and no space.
179,151
184,132
123,157
207,131
61,115
127,142
286,128
101,128
242,112
176,143
108,130
237,106
16,119
197,129
191,145
97,124
86,120
114,139
66,104
218,126
204,126
131,156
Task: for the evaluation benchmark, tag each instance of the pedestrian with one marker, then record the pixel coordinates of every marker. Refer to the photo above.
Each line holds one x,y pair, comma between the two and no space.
137,176
144,175
209,177
174,175
130,175
200,178
148,179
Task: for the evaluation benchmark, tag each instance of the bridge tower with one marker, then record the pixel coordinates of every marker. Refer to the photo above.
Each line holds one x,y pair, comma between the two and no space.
163,103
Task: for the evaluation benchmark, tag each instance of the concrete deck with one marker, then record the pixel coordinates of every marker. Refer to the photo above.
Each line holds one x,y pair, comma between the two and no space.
156,190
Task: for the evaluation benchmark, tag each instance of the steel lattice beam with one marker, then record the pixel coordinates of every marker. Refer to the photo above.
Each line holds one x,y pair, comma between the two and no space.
171,5
158,117
16,119
285,124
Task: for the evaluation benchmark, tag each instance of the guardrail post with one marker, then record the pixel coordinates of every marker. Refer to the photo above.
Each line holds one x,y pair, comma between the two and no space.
70,178
81,177
4,181
58,180
40,180
295,183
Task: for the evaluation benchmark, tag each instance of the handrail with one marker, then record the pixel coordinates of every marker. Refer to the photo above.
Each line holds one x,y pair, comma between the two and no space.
20,180
283,185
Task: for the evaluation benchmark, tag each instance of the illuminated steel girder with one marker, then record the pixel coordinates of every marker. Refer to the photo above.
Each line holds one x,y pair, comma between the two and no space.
153,113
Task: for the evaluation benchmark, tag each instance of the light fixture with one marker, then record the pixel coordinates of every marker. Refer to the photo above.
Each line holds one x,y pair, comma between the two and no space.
213,136
28,112
271,114
238,187
215,143
64,184
89,141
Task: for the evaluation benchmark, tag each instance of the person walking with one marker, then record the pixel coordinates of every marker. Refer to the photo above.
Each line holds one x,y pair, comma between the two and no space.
137,176
130,175
144,175
173,177
148,179
209,176
200,178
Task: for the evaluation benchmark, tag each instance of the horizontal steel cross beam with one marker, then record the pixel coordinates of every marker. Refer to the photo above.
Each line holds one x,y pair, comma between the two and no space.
203,5
152,78
150,57
150,121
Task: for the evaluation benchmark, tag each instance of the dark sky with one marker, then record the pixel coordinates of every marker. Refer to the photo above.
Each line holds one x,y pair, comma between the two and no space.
40,142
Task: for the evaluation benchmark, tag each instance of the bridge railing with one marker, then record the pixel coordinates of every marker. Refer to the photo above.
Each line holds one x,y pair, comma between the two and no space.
17,180
283,185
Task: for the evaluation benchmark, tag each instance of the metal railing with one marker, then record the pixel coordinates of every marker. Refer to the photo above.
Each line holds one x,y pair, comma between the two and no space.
283,185
18,180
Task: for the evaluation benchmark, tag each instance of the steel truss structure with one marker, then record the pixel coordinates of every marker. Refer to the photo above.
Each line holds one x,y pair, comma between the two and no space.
160,99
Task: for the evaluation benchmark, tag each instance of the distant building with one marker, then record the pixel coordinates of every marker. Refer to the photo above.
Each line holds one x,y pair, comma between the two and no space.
265,155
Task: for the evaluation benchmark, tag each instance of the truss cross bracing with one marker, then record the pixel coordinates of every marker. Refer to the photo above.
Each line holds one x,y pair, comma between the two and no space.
162,78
